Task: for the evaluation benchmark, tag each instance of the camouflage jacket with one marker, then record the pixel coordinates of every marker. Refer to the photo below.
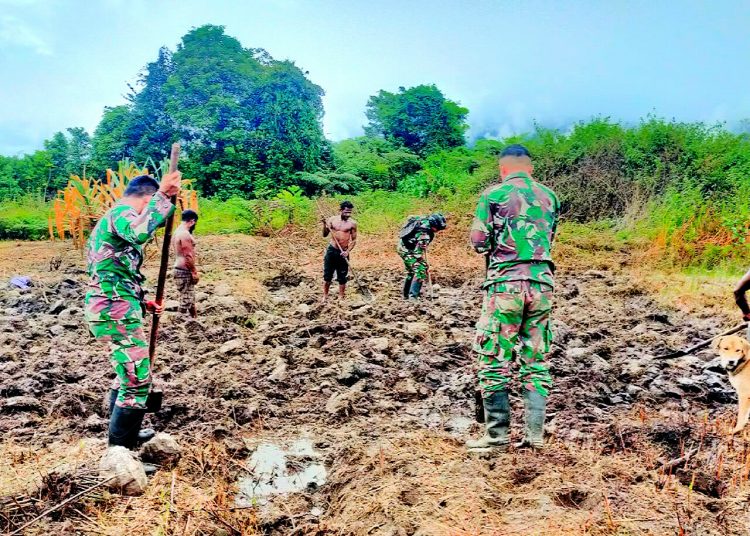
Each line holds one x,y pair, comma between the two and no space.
114,251
421,240
515,224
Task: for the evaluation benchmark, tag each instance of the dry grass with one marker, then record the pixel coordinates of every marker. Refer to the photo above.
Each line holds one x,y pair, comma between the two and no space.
702,295
24,466
197,497
425,483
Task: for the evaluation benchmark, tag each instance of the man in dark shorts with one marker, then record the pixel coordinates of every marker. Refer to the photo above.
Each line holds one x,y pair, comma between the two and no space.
185,272
343,232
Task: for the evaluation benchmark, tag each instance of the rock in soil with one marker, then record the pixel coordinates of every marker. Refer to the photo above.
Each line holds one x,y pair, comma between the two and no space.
343,403
129,476
162,450
235,346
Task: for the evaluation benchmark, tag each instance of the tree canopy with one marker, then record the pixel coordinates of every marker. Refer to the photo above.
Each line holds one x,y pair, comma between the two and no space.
250,126
247,121
419,118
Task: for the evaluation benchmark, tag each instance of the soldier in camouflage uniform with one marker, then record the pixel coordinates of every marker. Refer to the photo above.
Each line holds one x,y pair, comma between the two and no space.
114,303
514,225
414,238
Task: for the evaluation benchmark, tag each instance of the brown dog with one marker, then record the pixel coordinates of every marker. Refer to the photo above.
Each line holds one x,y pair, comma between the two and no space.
734,353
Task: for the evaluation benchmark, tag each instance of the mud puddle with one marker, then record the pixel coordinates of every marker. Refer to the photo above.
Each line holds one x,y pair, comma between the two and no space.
277,470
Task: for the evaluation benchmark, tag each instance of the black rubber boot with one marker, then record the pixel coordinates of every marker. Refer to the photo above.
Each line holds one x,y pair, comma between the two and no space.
415,290
143,435
496,422
535,408
124,425
407,286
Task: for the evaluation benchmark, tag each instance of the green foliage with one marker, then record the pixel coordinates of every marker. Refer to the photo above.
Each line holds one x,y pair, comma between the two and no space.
67,154
294,205
379,163
419,118
24,219
21,176
376,212
226,216
448,172
329,183
79,151
380,211
247,120
111,143
260,216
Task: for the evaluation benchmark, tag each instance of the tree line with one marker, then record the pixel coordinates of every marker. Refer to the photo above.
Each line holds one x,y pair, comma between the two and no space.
250,126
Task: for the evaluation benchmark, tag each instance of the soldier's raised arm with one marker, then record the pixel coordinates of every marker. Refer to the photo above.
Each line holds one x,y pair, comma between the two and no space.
139,228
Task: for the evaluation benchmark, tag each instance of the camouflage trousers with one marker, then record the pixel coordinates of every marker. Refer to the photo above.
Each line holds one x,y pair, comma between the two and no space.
183,280
415,265
514,327
120,323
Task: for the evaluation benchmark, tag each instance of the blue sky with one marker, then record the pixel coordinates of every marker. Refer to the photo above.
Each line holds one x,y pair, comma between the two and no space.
511,62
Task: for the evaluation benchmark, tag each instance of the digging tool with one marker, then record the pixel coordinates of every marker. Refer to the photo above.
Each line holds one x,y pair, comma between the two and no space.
429,277
362,289
703,344
156,396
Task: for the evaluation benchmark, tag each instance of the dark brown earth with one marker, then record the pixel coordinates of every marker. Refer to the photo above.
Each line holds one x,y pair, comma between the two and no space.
384,392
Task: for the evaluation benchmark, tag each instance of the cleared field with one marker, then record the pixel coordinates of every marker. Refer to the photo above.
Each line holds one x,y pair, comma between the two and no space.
360,409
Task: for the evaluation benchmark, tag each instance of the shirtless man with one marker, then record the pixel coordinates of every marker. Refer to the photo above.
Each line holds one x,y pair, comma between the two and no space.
185,272
343,231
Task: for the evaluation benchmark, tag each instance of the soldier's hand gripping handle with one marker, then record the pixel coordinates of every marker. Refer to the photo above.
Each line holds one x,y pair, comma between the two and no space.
154,308
170,183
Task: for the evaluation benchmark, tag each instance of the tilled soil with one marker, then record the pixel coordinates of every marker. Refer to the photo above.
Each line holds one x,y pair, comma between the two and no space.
385,391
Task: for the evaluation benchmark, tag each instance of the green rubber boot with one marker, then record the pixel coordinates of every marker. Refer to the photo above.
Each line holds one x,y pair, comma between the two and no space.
535,406
496,422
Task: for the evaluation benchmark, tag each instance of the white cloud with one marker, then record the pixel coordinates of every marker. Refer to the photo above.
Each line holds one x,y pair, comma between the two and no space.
15,32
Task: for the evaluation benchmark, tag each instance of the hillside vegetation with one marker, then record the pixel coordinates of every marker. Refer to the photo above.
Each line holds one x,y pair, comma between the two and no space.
253,144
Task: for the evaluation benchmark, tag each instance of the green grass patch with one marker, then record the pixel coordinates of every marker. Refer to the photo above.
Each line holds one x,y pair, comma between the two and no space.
24,219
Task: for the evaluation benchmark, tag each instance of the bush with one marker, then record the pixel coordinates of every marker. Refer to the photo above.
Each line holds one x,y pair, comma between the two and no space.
24,219
233,215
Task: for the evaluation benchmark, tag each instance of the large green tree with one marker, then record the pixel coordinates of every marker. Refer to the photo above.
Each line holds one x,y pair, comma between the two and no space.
79,150
151,129
111,141
420,118
249,124
57,150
